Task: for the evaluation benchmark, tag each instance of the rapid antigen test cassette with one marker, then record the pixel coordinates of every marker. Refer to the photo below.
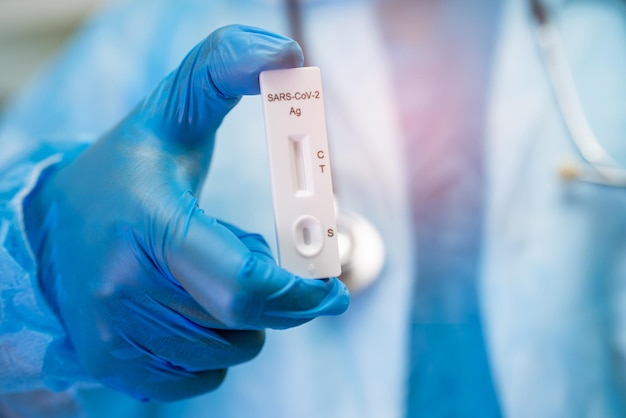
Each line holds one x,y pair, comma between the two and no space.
304,212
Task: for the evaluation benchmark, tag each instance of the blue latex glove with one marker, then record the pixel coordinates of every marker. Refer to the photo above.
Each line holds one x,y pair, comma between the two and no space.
158,298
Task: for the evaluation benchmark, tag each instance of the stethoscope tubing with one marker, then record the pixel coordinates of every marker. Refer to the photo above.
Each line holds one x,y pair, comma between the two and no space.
599,167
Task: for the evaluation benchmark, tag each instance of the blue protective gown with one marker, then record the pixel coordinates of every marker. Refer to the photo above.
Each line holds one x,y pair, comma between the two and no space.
552,272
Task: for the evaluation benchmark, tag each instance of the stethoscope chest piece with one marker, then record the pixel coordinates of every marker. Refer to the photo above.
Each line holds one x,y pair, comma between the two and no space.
361,249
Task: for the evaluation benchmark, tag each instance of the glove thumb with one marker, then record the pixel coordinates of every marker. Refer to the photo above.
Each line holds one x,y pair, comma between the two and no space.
191,102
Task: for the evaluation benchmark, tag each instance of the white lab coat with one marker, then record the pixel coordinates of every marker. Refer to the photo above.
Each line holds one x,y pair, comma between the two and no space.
554,266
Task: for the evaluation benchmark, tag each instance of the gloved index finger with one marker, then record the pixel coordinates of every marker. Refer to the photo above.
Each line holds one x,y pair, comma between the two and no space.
287,300
240,286
192,101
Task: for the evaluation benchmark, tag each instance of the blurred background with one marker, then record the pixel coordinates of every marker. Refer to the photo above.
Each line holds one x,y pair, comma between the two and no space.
31,31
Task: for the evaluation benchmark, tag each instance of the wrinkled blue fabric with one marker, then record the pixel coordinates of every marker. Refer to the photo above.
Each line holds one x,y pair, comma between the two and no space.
27,325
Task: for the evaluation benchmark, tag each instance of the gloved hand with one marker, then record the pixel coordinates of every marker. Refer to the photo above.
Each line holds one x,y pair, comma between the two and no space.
157,297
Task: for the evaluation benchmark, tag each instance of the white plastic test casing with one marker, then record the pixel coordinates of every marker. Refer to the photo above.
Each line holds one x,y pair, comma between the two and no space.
304,213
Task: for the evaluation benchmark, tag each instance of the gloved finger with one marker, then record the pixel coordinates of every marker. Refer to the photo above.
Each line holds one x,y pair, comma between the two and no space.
254,242
190,103
187,385
149,378
239,288
182,343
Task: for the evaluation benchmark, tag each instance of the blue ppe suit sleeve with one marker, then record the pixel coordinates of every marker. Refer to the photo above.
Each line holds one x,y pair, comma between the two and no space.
27,325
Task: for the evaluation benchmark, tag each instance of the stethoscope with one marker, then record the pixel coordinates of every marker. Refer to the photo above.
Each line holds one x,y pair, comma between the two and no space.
361,246
597,167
